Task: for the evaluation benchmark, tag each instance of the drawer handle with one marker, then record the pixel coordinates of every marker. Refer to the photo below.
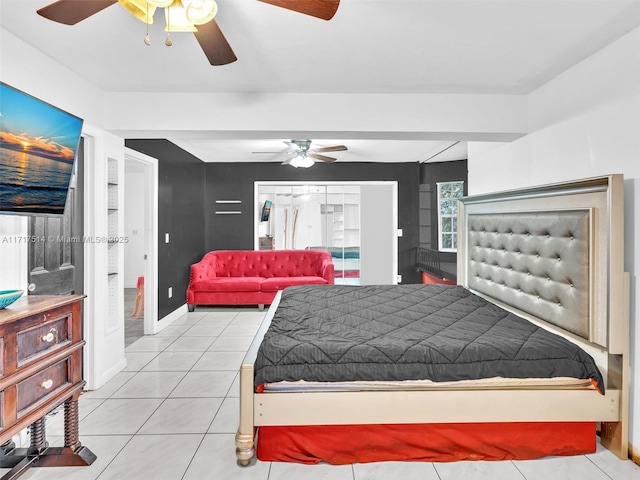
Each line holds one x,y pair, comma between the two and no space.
47,384
49,337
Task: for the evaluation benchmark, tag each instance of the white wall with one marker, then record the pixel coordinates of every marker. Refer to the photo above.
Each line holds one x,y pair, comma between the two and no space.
25,68
584,123
13,253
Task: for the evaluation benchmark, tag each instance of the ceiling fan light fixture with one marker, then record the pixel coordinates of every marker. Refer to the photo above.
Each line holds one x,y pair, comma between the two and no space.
200,12
301,161
176,20
141,9
160,3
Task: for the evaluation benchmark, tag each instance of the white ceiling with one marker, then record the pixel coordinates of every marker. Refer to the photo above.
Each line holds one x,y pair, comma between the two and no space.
370,46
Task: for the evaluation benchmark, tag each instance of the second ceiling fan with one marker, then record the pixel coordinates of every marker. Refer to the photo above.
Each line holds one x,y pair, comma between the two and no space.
193,15
302,155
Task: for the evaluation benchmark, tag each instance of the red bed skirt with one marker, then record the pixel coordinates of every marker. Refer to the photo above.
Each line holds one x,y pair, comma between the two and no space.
346,444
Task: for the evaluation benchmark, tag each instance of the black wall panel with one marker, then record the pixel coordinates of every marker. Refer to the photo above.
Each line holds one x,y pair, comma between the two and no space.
181,214
235,181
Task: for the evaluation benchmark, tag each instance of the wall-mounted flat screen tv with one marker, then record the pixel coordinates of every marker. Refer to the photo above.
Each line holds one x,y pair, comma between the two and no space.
38,144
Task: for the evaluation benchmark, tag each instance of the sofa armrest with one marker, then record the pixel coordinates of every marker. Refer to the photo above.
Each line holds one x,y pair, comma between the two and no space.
205,268
327,270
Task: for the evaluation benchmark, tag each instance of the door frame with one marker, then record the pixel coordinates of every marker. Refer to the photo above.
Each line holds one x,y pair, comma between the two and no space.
150,173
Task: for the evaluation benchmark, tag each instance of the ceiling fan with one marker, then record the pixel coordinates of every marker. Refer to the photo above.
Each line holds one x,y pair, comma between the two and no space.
199,15
305,156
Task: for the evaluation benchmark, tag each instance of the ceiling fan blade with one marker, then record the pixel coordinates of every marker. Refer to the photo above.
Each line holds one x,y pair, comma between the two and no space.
322,158
324,9
214,44
334,148
70,12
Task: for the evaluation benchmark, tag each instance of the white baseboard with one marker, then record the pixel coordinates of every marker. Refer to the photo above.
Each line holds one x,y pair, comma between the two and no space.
169,319
112,372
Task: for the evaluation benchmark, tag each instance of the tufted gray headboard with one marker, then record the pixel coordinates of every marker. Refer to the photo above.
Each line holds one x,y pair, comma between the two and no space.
553,254
535,261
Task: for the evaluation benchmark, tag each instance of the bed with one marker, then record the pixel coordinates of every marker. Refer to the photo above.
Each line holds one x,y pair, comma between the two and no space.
547,259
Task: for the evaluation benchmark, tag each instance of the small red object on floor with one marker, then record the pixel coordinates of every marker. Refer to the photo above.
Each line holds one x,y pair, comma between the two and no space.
138,309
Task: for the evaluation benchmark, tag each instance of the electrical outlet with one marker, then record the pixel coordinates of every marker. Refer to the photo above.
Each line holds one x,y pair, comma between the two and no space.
170,292
399,278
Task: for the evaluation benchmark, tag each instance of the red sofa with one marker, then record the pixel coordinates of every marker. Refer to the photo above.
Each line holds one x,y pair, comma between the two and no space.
247,277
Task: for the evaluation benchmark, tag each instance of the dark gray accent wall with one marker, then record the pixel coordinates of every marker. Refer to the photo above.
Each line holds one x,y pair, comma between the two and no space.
181,214
430,174
235,181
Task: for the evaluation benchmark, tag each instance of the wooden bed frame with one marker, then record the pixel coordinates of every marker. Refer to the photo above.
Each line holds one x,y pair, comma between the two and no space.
607,298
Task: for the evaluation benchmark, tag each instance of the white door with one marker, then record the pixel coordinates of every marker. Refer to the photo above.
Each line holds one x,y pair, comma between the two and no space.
378,234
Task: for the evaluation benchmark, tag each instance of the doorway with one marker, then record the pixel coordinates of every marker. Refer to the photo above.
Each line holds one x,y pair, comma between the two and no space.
140,249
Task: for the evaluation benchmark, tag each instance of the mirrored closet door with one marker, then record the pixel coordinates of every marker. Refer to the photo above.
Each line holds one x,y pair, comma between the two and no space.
319,216
356,221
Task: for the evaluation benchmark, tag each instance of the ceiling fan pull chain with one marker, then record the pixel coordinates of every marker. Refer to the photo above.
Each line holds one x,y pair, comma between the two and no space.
147,39
168,42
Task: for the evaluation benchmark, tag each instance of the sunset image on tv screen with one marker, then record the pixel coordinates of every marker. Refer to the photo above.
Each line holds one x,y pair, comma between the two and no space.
38,145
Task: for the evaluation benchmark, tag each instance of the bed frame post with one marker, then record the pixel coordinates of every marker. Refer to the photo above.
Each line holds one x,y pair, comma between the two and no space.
614,435
245,449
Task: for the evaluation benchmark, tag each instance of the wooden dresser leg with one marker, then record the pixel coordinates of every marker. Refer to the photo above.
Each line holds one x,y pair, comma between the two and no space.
73,453
71,437
38,436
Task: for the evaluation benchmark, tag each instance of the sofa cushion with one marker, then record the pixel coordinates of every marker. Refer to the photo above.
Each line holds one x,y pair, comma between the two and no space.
274,284
228,284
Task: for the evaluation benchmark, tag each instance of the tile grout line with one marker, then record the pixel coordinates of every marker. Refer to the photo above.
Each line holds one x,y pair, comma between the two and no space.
598,467
195,452
519,471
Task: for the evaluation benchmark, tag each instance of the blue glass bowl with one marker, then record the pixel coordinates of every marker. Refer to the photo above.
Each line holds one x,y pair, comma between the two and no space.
7,297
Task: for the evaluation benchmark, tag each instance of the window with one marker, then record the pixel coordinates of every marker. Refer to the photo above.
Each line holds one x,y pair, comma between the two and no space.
448,193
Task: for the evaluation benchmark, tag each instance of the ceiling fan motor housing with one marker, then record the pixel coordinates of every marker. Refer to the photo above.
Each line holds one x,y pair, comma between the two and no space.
304,145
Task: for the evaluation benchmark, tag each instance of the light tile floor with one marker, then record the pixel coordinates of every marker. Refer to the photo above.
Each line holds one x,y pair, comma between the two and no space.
172,415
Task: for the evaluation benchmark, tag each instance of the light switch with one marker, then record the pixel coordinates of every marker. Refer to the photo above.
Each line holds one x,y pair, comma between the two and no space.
170,292
166,238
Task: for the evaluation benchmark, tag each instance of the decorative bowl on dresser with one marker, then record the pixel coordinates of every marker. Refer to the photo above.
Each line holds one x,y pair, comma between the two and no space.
7,297
41,368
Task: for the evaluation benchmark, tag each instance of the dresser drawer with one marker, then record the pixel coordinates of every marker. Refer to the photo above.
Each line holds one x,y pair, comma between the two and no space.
39,387
39,340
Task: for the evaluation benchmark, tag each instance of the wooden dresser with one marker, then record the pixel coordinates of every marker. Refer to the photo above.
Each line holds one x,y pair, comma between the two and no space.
40,368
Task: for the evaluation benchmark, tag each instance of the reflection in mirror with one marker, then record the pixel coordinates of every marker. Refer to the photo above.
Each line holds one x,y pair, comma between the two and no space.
325,217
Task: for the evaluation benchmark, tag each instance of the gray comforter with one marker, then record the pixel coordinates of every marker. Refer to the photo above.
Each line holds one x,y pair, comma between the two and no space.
334,333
